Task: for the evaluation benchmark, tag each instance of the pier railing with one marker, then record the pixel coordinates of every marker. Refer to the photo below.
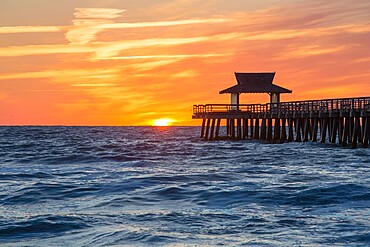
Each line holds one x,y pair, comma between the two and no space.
307,106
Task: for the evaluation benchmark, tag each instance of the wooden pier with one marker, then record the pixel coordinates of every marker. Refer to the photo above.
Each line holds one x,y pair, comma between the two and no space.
345,121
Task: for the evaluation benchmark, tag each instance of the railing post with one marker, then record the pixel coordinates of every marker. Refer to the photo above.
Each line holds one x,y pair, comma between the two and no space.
353,104
331,108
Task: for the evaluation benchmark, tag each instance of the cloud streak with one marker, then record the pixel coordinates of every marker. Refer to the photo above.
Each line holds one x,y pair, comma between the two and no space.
104,50
166,56
30,29
72,74
98,13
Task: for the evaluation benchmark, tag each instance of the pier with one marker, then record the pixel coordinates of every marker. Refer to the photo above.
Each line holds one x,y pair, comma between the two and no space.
344,121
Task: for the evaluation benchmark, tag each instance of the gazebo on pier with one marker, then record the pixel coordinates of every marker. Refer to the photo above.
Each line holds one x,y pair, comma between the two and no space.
255,83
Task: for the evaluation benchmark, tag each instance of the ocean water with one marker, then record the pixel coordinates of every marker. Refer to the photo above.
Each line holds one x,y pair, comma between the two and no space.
151,186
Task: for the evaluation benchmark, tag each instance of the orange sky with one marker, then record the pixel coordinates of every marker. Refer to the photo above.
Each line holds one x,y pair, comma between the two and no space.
114,62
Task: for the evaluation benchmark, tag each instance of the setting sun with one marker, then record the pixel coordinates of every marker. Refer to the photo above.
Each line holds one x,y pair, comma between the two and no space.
163,122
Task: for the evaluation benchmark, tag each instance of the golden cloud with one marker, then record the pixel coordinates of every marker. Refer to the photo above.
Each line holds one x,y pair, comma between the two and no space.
29,29
98,13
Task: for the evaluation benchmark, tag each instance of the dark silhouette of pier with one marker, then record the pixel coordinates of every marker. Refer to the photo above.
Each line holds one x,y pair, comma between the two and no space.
344,121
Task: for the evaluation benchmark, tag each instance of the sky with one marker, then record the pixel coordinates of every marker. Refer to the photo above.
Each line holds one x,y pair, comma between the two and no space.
115,62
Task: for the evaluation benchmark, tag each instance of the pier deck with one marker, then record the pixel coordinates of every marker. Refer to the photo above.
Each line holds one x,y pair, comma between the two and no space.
344,121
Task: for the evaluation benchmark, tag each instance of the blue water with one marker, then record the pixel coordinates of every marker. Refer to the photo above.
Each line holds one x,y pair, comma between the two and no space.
148,186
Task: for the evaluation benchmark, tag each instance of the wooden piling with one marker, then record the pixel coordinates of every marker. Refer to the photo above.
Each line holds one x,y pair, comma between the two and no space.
330,127
298,130
269,129
346,131
202,130
245,128
323,129
251,129
256,129
334,130
283,136
218,128
351,125
365,137
306,124
315,129
239,129
277,130
232,126
211,136
263,129
355,130
290,130
207,129
340,129
228,133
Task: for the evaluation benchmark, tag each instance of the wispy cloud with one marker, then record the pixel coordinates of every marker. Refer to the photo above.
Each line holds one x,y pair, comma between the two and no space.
166,56
89,22
64,75
30,29
164,23
104,24
98,13
308,32
106,50
185,74
154,64
85,30
311,50
94,85
86,25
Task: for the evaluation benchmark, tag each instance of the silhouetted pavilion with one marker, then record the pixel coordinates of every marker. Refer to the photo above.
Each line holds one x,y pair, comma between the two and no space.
255,83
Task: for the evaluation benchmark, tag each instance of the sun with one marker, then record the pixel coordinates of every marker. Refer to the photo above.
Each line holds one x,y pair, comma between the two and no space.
163,122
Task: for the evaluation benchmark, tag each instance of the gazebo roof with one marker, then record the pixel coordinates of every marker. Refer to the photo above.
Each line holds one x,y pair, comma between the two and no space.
255,83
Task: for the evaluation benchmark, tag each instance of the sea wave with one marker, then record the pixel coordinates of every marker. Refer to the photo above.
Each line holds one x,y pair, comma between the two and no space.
148,186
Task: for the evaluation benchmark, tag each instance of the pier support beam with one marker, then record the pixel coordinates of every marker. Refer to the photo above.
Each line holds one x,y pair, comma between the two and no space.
359,131
334,129
345,132
238,129
351,126
290,130
252,129
245,128
323,128
306,127
202,130
228,127
355,130
315,126
263,129
269,129
277,130
211,136
330,127
283,136
366,127
298,130
340,129
218,128
257,129
232,128
207,129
